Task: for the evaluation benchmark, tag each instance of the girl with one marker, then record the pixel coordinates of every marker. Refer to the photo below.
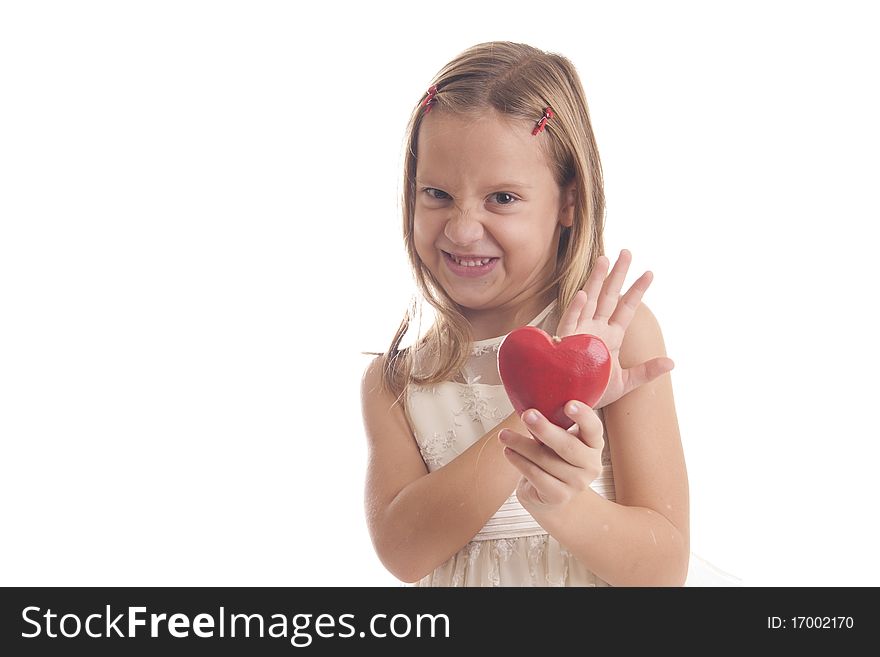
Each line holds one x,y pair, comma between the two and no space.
503,212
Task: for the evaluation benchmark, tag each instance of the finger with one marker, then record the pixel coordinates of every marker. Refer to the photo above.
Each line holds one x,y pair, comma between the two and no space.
526,493
611,290
547,486
569,321
594,286
639,375
627,306
560,442
590,429
565,468
566,444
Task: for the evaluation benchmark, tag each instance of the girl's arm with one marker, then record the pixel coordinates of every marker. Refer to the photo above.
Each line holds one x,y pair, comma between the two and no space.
418,520
643,538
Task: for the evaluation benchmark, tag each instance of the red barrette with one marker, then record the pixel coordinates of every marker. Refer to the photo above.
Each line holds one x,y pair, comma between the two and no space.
539,126
428,103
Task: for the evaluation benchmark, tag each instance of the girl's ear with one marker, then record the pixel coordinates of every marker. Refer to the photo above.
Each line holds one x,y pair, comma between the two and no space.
566,206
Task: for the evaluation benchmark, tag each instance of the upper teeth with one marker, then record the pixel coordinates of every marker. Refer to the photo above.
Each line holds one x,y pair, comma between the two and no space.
470,263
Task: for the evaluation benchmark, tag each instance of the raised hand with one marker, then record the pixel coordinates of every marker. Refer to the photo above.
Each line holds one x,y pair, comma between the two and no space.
598,309
557,464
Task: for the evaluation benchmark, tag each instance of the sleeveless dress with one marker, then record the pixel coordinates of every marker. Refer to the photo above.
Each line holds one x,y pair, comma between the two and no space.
512,549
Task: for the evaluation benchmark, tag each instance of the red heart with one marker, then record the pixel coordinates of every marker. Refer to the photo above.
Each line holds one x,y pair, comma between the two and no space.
544,373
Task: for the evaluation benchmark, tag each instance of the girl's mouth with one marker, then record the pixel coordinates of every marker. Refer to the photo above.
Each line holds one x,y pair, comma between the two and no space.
470,266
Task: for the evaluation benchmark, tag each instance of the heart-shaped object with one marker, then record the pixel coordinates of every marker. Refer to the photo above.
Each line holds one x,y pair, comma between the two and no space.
544,373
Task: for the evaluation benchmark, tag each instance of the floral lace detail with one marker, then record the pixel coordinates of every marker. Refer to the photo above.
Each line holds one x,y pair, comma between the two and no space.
435,447
412,387
562,576
476,406
537,545
504,548
538,560
473,551
483,349
494,574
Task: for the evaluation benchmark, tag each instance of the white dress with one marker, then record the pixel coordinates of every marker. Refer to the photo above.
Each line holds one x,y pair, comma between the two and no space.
512,549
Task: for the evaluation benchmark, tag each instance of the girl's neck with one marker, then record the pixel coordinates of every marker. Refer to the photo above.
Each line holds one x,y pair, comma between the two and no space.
501,321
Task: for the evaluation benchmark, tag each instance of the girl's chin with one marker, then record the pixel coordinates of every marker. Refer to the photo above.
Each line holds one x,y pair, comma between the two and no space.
473,302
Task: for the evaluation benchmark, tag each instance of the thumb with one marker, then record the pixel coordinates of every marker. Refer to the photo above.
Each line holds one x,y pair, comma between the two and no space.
647,372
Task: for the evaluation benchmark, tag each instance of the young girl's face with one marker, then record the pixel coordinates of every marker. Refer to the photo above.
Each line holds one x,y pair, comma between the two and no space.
488,210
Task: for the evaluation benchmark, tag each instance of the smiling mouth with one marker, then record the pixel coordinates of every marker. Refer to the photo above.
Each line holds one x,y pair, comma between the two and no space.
469,261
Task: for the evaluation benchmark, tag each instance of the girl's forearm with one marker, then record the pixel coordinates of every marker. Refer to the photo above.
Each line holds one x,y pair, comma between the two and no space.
623,545
436,515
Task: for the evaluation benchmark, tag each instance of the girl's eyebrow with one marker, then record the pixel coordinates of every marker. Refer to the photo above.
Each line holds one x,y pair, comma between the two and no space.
509,184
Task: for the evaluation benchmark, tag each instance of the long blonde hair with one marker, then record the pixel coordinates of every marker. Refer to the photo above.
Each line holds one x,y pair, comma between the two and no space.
519,81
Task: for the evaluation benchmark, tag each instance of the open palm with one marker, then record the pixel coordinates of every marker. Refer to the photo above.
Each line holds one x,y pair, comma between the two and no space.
598,309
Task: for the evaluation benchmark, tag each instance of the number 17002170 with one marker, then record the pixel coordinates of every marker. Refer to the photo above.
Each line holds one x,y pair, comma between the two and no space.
810,623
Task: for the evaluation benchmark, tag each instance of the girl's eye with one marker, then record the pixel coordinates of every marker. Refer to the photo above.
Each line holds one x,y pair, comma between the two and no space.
437,194
503,198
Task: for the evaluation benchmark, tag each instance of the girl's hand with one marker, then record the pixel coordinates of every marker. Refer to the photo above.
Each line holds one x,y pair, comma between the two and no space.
557,464
598,309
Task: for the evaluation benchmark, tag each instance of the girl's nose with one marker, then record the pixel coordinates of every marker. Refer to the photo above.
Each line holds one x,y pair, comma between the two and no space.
463,228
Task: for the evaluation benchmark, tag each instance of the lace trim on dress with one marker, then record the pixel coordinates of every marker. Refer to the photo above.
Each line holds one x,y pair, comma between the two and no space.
483,349
435,447
476,406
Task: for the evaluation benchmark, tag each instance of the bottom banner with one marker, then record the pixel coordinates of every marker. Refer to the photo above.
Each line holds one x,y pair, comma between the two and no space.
95,621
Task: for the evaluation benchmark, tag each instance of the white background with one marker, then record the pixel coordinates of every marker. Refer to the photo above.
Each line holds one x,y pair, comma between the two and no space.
200,234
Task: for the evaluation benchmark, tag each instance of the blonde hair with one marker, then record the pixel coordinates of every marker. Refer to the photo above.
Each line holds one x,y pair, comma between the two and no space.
519,81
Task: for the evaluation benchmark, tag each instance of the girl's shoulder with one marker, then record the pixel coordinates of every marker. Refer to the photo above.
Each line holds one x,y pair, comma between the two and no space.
416,359
372,380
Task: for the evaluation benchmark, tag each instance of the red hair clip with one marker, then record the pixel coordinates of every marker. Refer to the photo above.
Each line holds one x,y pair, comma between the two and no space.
428,103
539,126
